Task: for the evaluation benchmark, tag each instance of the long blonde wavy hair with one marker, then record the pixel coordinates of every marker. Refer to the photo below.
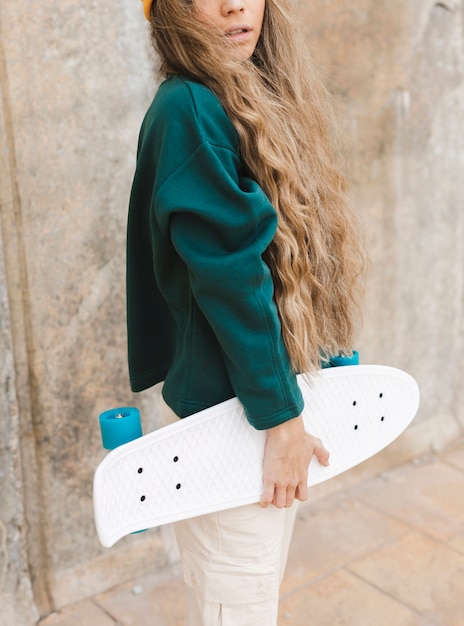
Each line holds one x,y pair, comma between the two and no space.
284,118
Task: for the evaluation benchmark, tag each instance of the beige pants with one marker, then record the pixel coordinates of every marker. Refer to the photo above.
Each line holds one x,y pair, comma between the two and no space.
233,561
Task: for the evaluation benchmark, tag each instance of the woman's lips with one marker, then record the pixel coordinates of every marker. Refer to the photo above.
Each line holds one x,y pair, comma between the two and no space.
241,31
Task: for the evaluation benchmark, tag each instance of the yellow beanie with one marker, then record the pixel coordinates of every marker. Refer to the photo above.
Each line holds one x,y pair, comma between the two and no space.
146,8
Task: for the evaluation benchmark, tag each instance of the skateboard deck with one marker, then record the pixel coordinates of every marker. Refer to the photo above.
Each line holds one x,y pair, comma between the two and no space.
213,460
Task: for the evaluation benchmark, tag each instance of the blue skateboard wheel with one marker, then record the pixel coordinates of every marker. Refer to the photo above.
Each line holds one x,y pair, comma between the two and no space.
339,361
118,426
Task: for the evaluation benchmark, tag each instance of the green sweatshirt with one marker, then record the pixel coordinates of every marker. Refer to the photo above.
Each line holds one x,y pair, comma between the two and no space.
200,308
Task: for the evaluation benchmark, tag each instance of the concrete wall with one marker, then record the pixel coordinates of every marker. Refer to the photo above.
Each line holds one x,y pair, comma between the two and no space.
75,80
398,68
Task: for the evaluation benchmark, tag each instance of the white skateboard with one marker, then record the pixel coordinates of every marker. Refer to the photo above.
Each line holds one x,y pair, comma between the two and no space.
213,460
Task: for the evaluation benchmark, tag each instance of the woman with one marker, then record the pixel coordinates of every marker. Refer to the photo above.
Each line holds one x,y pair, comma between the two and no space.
242,266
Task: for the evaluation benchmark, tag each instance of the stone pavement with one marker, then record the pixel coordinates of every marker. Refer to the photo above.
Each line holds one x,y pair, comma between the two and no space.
386,552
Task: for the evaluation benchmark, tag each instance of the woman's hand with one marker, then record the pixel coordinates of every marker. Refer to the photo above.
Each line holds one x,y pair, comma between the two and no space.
289,449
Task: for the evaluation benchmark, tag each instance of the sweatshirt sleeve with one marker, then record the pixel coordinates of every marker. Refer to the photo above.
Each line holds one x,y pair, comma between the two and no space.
221,222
